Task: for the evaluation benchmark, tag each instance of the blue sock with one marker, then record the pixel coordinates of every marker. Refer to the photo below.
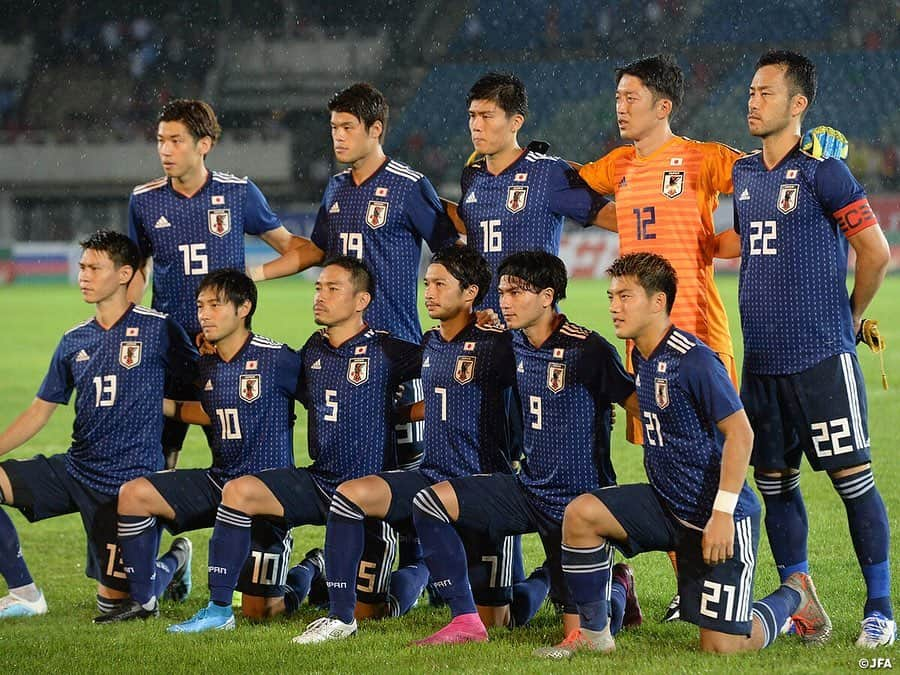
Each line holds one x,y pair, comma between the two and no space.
345,537
616,607
139,542
444,552
229,548
407,584
529,595
587,572
870,532
165,570
774,610
299,579
786,523
12,562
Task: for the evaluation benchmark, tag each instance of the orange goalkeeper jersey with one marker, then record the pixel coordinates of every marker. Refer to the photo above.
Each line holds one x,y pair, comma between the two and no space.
664,205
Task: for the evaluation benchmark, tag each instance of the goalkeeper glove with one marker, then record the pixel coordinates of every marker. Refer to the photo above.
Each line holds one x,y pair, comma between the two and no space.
871,336
825,143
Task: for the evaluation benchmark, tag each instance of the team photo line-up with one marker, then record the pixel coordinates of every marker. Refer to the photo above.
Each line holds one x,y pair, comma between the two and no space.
496,422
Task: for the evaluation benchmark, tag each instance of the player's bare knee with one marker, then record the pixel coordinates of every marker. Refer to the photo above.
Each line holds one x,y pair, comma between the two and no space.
582,515
849,471
774,473
135,496
240,494
360,491
447,495
714,642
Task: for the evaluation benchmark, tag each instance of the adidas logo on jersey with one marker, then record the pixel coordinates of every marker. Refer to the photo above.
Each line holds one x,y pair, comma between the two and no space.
745,195
426,363
317,365
82,356
334,208
208,386
520,368
162,222
471,199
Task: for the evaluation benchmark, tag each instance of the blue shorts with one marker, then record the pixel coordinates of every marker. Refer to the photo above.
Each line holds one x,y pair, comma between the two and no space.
489,561
821,412
409,437
42,488
716,597
496,507
195,497
306,503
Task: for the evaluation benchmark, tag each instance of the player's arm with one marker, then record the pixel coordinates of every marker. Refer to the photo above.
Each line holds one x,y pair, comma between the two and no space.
631,405
414,412
297,254
606,218
728,244
452,211
189,412
718,535
872,257
26,425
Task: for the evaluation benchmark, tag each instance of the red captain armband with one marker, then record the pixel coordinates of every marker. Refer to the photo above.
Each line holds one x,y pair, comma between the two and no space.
855,217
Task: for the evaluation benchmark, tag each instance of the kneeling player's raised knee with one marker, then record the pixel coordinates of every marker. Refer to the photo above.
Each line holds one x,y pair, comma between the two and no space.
582,515
134,496
240,493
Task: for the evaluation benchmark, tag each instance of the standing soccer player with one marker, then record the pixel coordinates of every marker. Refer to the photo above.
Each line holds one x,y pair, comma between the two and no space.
349,379
567,379
513,199
467,374
246,391
192,221
802,384
697,443
117,363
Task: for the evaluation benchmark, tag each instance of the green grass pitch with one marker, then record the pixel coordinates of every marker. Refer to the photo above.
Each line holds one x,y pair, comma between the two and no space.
66,641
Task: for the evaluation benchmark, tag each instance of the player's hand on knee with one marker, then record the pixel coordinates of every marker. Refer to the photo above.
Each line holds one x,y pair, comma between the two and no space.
718,538
206,348
488,317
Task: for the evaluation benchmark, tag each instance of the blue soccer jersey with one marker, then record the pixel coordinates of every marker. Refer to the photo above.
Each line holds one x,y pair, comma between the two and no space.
567,387
794,221
349,391
189,237
383,221
250,400
118,375
468,384
522,208
684,391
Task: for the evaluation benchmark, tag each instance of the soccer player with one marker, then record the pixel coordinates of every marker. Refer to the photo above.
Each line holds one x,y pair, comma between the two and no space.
697,443
567,379
513,199
192,221
802,385
117,362
467,374
350,376
246,390
666,188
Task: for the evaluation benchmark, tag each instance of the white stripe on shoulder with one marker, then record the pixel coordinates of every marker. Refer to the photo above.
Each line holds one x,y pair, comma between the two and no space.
266,343
147,311
679,342
78,325
342,173
223,177
537,156
414,177
154,184
574,330
405,168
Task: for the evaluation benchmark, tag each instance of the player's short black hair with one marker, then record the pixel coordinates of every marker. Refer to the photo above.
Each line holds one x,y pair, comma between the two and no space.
233,285
467,266
504,89
365,103
197,116
120,249
800,72
536,270
654,273
360,275
660,74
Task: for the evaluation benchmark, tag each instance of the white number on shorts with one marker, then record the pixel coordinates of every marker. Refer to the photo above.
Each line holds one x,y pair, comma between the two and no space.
827,437
712,595
352,244
654,430
494,562
265,567
534,407
111,561
105,388
195,260
365,578
231,425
